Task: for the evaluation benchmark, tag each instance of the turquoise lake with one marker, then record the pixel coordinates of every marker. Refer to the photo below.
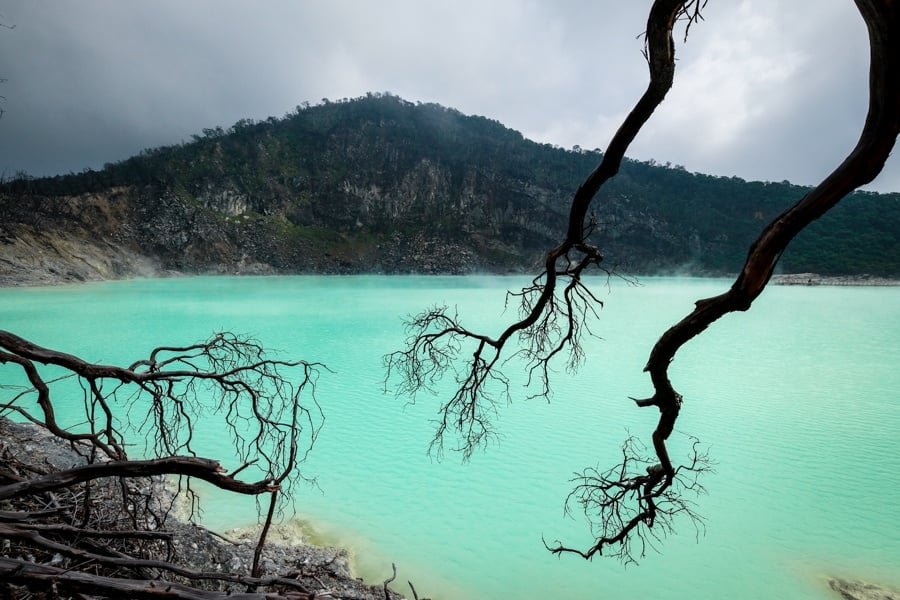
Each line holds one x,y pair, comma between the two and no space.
796,399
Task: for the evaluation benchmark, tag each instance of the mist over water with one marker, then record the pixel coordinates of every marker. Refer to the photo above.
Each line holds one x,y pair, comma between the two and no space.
796,399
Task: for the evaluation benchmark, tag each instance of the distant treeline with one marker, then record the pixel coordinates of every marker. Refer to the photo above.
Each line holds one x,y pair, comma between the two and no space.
379,164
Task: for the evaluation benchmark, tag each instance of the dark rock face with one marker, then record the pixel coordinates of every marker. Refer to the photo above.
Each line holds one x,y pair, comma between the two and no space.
131,232
45,240
378,184
126,234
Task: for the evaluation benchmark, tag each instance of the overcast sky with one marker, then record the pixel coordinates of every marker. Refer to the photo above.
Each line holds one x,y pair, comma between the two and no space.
764,89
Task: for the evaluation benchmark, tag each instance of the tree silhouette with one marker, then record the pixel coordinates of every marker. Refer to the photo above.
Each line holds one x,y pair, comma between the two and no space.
99,527
631,505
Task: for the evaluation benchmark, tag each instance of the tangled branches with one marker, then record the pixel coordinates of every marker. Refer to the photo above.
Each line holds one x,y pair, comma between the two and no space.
553,322
554,312
555,307
628,507
100,523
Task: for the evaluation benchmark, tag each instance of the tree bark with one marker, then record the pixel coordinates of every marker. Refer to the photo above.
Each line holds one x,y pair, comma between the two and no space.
860,167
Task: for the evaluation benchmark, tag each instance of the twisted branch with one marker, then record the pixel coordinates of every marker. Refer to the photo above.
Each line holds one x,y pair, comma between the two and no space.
557,305
267,405
864,162
555,310
628,509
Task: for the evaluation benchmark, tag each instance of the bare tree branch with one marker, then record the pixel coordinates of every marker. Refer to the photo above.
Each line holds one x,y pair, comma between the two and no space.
43,576
387,593
621,505
200,468
555,310
862,165
267,406
627,508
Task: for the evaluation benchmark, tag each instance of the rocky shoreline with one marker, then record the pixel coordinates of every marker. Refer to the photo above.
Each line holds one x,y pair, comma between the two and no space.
812,279
29,277
859,590
325,570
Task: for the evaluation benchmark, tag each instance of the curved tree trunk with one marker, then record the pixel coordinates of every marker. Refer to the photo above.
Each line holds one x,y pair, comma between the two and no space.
879,134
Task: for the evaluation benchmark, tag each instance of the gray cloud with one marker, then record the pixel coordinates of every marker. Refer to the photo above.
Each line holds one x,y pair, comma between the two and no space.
757,94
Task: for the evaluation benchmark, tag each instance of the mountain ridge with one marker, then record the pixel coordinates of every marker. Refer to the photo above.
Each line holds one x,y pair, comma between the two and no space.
379,184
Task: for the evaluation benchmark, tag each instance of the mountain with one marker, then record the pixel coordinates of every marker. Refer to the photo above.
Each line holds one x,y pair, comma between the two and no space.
379,184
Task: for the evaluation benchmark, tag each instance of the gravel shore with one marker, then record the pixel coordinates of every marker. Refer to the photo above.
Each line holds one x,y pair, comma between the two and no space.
323,570
835,280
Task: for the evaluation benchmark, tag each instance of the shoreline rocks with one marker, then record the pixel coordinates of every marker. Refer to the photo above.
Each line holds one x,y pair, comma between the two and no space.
318,568
811,279
859,590
35,278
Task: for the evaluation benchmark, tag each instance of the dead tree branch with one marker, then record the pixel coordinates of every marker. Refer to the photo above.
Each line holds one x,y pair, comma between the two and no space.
622,506
627,508
863,163
36,576
109,512
555,310
387,593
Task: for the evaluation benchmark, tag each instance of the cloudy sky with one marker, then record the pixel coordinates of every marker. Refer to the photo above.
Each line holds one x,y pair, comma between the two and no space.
765,89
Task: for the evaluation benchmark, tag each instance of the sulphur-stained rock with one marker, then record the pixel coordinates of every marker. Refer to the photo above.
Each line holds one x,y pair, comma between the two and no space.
859,590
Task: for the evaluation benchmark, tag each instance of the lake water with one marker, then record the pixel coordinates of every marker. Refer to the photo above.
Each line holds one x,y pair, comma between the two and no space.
797,400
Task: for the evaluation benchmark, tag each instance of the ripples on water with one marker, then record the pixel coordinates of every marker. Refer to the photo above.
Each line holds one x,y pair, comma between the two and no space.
797,400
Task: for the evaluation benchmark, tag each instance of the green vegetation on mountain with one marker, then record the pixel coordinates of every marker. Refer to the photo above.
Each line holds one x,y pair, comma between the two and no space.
381,184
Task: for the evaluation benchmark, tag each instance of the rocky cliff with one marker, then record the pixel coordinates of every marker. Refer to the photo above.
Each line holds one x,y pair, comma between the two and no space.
378,184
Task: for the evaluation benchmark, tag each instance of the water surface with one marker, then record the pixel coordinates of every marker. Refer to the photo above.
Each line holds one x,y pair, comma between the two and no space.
797,400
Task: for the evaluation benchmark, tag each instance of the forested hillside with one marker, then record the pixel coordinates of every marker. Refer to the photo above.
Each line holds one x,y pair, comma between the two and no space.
381,184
